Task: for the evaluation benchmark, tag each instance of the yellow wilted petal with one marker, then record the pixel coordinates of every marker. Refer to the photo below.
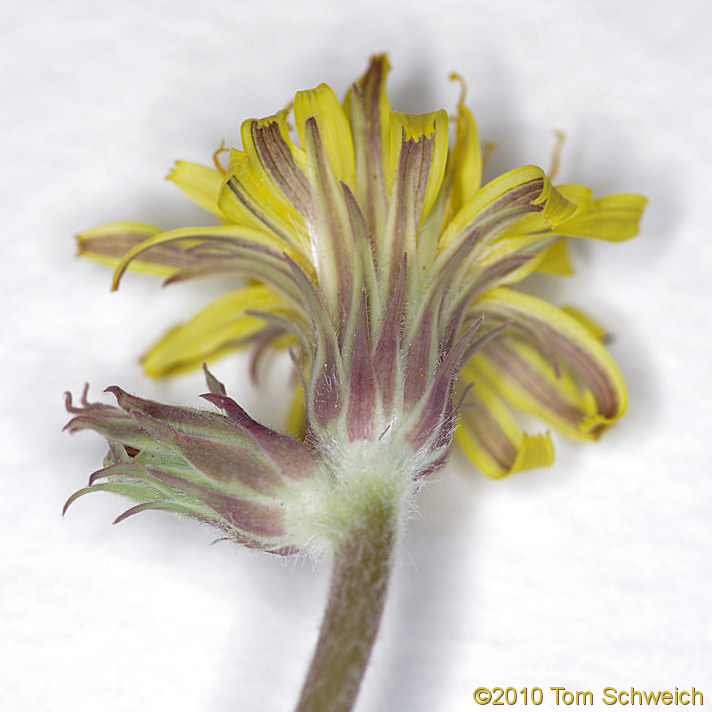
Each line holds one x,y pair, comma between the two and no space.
491,438
551,365
191,236
200,183
216,329
555,398
334,130
534,451
556,207
236,204
281,121
108,243
496,197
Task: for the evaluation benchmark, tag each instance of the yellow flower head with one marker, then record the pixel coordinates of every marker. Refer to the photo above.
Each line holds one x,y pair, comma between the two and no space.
378,257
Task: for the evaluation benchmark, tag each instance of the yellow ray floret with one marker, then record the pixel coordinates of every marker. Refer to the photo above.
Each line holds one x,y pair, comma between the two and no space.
554,207
464,161
322,105
108,243
550,364
216,329
372,245
200,183
491,438
420,127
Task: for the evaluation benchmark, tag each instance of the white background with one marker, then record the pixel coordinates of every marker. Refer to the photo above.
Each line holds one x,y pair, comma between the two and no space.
593,573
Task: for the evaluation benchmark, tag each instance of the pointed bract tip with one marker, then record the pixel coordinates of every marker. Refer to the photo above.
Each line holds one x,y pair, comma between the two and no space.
214,386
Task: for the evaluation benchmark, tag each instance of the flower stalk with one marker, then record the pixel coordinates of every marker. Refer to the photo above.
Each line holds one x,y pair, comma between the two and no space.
360,575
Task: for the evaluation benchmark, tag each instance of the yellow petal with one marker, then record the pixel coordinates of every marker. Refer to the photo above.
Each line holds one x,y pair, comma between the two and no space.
466,158
333,239
509,260
200,183
551,365
241,194
491,438
250,197
192,236
416,128
597,329
555,259
496,205
296,418
282,180
613,217
580,195
334,130
108,243
218,328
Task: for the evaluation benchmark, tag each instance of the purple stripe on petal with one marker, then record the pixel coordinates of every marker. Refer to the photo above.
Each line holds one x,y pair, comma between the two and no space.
362,379
433,466
420,358
507,361
331,225
326,379
243,198
366,97
326,394
276,156
386,354
437,410
423,349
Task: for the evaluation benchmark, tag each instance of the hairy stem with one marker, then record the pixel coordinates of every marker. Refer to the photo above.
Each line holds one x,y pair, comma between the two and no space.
362,566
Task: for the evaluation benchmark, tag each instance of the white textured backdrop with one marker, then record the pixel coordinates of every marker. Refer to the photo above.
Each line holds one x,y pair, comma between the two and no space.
596,572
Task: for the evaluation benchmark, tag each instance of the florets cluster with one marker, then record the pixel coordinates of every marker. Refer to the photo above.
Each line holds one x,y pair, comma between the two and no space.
384,265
